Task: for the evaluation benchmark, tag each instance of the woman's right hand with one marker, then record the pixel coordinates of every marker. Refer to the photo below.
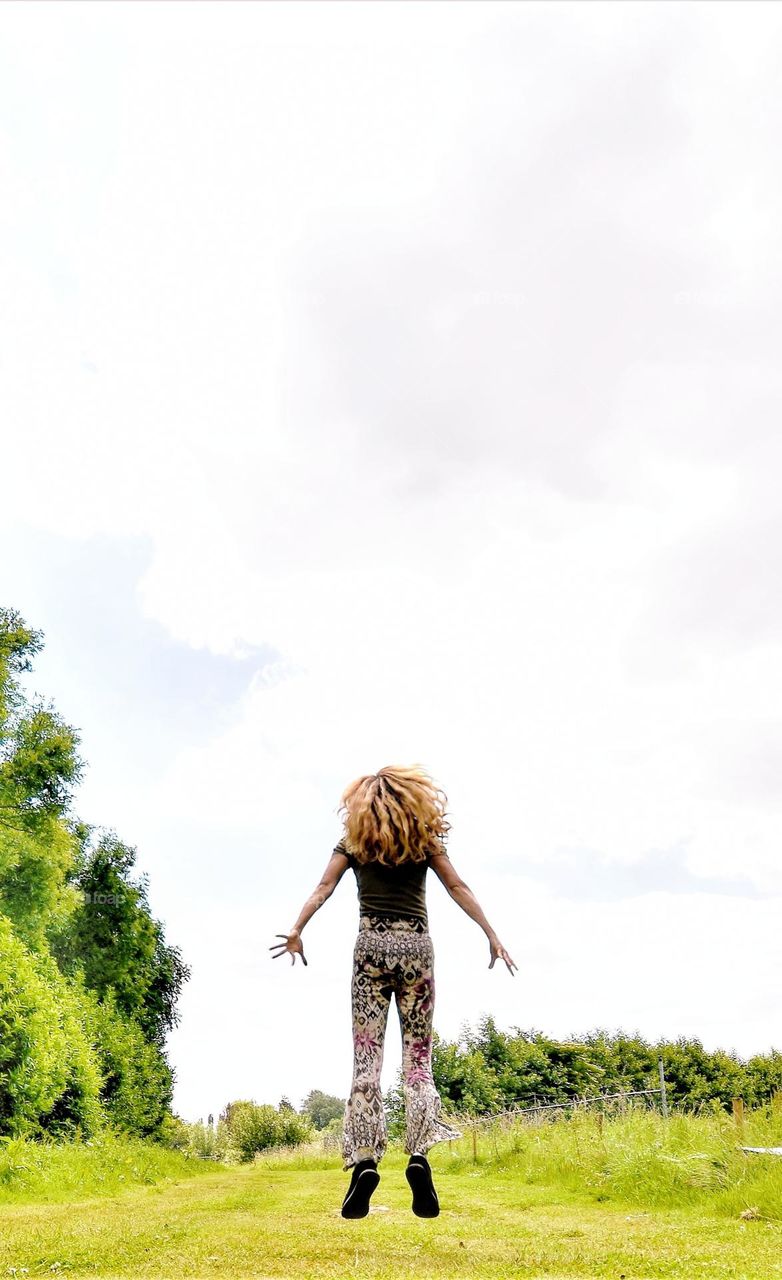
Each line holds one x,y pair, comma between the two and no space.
291,946
498,952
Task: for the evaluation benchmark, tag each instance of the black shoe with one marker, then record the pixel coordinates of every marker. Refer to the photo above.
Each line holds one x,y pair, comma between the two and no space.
419,1176
363,1181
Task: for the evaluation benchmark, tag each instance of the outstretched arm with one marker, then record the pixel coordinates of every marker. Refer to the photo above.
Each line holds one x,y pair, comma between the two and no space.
462,893
338,865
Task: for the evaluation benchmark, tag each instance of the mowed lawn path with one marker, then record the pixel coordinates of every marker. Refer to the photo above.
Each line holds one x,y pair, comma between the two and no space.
257,1221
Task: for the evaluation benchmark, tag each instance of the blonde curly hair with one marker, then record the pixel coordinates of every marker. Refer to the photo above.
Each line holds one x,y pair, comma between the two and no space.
395,815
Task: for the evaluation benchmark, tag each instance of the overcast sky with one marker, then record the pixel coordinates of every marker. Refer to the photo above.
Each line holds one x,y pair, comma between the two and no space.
390,383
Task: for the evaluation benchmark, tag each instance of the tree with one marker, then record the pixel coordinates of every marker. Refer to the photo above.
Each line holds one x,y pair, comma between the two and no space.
624,1062
527,1067
322,1108
764,1077
464,1077
693,1075
18,646
39,762
114,940
50,1077
88,983
35,871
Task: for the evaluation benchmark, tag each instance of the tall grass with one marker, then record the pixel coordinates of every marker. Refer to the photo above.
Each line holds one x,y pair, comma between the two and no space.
637,1158
33,1170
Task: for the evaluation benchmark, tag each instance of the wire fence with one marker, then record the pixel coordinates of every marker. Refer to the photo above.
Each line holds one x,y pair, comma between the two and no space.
489,1127
472,1124
602,1104
619,1101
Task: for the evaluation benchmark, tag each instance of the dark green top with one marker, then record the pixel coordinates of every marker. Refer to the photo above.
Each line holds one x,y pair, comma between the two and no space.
390,891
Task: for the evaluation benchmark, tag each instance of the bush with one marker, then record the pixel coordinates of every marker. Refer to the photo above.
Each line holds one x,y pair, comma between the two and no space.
174,1132
77,1113
246,1127
49,1072
331,1134
138,1081
489,1070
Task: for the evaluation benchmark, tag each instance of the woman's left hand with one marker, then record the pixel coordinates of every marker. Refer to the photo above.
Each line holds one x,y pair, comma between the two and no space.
292,946
498,952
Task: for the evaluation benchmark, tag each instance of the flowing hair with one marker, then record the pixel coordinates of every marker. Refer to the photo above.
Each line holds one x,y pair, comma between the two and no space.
395,815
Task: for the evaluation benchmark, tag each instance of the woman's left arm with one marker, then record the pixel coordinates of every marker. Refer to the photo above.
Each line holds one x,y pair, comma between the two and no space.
338,865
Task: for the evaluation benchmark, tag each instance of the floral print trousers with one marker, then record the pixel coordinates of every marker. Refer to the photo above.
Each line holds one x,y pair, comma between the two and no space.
392,957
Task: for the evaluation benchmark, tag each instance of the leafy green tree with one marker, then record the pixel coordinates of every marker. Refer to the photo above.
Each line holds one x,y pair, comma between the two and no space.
18,646
112,938
138,1082
528,1067
50,1076
464,1078
763,1077
695,1076
88,983
39,761
39,766
624,1063
322,1108
35,870
490,1070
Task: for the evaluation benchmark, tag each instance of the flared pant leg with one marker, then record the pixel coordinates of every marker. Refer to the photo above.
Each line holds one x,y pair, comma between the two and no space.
364,1133
424,1123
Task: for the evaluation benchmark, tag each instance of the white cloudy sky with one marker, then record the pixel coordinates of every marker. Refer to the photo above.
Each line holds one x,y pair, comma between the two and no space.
399,382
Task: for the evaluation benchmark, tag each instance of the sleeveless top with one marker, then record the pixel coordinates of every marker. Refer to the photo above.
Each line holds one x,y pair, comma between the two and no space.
390,891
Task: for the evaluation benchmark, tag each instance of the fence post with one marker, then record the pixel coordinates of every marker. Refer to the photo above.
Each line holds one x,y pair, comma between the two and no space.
738,1114
475,1139
663,1097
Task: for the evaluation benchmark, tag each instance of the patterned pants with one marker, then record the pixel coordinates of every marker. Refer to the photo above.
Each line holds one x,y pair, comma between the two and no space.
392,957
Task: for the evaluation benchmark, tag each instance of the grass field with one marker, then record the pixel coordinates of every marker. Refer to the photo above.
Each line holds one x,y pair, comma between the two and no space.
630,1198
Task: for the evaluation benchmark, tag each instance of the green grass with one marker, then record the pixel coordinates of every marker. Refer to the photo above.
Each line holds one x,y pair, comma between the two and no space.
640,1160
634,1197
42,1172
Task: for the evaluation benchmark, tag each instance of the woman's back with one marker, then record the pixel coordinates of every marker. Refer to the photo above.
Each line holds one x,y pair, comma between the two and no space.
398,890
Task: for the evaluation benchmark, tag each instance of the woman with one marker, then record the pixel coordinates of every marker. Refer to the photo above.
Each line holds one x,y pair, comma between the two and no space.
394,828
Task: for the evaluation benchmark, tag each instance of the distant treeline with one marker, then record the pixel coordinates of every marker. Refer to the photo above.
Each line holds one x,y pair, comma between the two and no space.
88,983
489,1070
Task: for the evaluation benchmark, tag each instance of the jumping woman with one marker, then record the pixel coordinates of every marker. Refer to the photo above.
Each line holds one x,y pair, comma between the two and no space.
394,830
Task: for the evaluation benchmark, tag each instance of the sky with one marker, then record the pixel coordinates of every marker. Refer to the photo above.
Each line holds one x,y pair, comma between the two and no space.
389,384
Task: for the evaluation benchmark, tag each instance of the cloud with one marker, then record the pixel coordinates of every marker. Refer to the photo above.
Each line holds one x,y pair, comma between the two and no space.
137,696
584,876
378,398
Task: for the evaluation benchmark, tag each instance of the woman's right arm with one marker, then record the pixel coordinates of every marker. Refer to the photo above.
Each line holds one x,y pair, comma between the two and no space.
462,893
337,866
